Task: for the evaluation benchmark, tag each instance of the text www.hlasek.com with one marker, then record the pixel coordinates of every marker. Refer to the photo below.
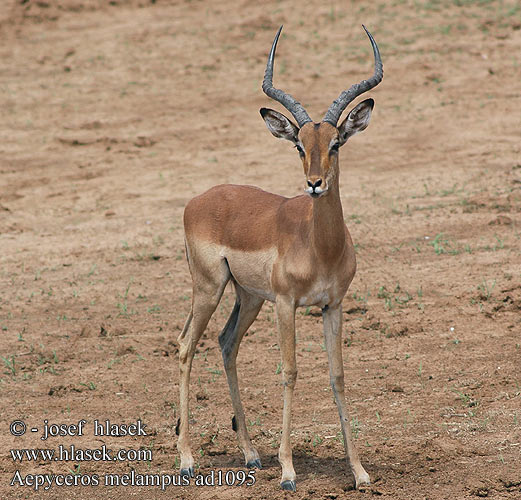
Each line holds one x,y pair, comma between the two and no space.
71,453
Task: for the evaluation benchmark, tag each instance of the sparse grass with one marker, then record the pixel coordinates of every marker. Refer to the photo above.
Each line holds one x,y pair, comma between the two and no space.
443,245
500,244
398,297
485,290
317,440
76,471
466,399
9,363
361,298
123,306
112,362
91,386
257,422
306,312
355,218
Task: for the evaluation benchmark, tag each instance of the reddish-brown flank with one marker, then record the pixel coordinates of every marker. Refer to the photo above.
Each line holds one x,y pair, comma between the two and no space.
205,213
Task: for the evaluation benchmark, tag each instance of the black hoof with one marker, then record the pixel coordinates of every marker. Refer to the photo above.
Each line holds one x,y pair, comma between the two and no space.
254,464
364,488
187,472
289,485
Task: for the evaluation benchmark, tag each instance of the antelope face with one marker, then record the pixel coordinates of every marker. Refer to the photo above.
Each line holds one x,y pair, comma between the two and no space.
318,150
318,143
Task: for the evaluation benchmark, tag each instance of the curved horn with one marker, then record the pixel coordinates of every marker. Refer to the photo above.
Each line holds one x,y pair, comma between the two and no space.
293,106
338,106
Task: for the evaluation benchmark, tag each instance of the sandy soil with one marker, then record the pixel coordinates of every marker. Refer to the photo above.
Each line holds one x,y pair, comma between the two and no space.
115,114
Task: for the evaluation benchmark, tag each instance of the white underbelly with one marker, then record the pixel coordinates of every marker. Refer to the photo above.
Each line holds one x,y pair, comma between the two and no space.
316,296
252,270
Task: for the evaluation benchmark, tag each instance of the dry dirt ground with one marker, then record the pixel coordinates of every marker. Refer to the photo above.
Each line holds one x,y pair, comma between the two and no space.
115,114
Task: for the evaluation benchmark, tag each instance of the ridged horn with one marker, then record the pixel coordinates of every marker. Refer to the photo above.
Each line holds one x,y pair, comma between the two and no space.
293,106
347,96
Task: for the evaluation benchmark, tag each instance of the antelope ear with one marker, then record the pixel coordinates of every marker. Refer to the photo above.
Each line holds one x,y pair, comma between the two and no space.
356,121
280,126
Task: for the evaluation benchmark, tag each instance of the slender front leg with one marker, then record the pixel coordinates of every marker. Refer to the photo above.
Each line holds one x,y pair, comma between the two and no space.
333,337
286,324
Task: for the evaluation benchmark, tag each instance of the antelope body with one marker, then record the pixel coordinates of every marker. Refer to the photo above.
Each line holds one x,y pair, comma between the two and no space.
290,251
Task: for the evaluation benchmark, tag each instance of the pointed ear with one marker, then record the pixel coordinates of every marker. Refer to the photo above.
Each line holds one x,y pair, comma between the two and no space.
356,121
280,126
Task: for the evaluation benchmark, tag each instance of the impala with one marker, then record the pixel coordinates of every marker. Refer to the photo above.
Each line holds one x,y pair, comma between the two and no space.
291,251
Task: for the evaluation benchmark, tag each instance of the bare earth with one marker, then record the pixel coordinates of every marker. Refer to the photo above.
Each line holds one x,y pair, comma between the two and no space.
115,114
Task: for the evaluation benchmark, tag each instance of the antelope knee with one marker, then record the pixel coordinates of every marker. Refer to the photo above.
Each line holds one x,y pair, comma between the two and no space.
183,352
337,382
289,378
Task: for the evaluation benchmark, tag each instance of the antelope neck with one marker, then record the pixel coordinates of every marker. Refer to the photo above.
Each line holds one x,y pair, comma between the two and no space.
328,235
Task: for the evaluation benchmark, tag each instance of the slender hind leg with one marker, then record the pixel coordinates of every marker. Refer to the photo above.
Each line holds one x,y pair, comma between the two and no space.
208,287
244,312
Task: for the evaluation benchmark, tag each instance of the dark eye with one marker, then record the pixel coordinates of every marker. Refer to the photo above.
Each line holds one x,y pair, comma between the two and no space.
299,149
334,148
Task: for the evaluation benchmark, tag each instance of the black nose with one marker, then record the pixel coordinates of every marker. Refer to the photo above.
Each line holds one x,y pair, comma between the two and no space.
317,183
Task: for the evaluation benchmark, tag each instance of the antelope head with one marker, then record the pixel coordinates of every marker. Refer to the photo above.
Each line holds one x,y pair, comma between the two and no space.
318,143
